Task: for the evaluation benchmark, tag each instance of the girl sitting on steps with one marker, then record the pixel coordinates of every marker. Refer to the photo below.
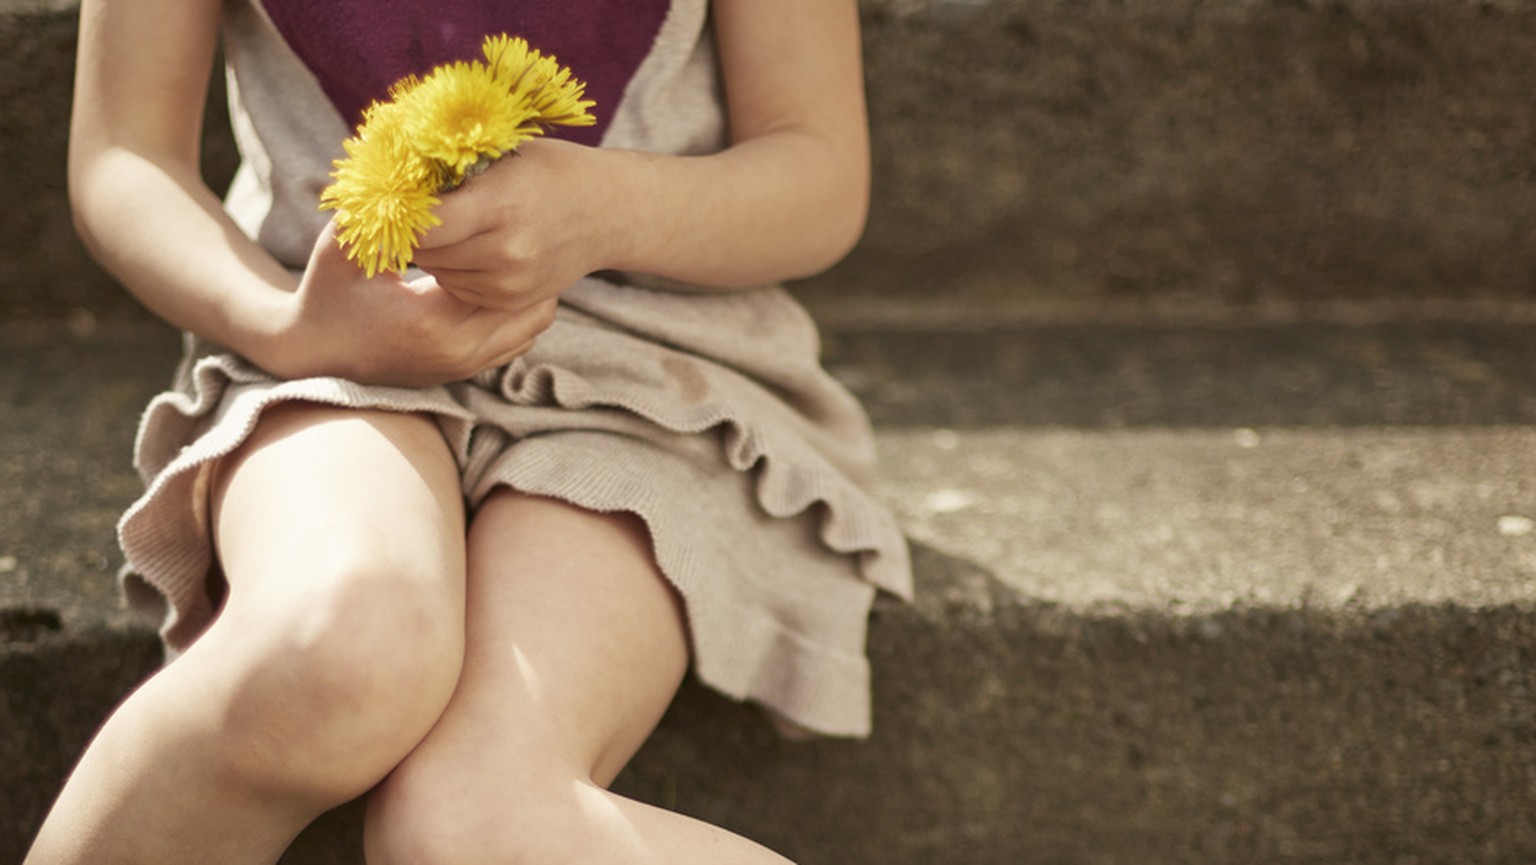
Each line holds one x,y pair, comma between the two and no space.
452,538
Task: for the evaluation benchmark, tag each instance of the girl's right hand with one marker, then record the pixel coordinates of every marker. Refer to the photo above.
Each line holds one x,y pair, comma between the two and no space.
387,330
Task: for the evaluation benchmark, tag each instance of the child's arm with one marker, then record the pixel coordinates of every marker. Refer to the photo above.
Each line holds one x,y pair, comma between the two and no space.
143,211
786,199
139,202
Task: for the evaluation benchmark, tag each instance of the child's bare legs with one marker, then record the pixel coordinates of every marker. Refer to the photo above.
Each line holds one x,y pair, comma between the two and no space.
575,646
342,537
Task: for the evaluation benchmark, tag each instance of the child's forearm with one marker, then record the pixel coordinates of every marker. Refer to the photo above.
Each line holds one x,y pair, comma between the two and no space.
789,197
139,203
783,205
187,263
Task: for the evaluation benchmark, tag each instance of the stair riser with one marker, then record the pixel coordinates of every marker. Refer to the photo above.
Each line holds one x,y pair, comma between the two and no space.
1182,152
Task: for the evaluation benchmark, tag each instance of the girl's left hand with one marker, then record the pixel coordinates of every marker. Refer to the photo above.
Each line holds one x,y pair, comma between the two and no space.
524,230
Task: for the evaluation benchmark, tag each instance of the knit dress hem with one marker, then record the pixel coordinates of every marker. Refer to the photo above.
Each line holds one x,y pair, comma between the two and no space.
815,675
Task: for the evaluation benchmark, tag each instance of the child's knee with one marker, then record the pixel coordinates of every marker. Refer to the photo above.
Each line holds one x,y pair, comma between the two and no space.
329,692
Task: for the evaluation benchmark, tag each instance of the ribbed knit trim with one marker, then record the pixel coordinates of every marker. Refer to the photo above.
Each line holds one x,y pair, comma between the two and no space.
848,523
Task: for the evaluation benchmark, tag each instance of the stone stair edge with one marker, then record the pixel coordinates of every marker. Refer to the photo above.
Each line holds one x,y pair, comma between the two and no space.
955,595
840,305
1053,504
978,602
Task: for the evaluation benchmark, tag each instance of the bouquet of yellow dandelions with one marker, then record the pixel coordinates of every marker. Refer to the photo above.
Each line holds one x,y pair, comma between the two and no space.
432,134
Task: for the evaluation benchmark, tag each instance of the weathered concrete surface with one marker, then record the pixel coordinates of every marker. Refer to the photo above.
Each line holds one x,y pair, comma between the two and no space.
1278,611
1186,154
1151,444
1253,154
1011,732
56,687
1198,522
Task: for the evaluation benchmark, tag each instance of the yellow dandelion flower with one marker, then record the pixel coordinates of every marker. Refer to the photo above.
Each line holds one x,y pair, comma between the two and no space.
539,79
434,132
460,114
509,56
401,90
383,194
558,99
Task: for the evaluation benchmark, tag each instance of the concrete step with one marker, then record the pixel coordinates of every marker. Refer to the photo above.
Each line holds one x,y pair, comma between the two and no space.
1199,154
1148,155
1188,593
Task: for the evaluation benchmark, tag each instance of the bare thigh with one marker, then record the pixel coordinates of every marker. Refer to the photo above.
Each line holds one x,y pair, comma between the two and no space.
575,646
314,487
341,534
575,642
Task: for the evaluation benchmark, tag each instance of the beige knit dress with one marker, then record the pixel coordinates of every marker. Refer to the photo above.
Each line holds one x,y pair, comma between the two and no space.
707,415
